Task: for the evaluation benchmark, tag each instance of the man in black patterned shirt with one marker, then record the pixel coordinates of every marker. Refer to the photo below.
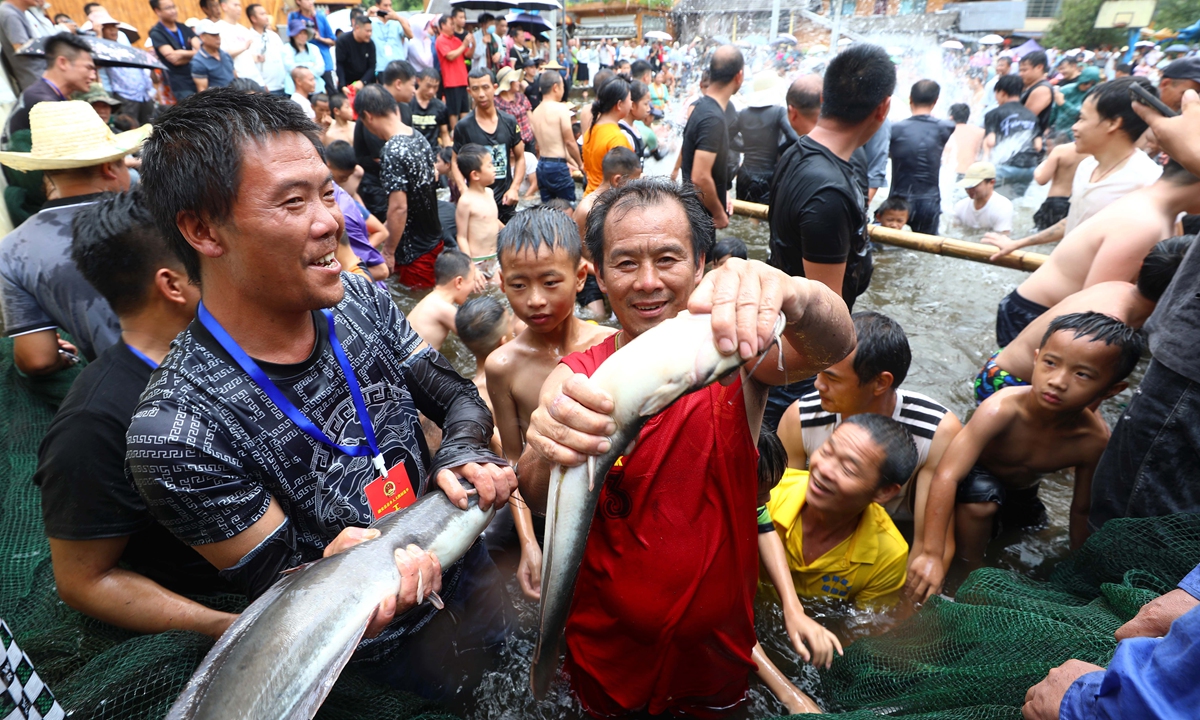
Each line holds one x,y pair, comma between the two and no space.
407,174
246,443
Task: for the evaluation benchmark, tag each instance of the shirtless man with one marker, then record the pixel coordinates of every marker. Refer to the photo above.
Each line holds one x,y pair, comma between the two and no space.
557,151
1109,246
1058,169
966,142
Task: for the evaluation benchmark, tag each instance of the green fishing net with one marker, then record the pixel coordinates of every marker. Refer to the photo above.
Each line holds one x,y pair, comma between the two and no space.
971,659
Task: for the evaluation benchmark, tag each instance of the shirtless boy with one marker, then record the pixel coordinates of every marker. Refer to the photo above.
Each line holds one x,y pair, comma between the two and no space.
1128,302
477,217
619,165
1058,169
992,469
542,270
967,141
433,317
557,150
1108,246
341,126
483,324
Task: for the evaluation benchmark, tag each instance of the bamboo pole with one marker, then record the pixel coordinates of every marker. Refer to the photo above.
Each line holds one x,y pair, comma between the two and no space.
950,247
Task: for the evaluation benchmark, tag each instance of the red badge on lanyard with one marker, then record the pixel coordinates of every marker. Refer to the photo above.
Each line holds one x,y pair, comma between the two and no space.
391,491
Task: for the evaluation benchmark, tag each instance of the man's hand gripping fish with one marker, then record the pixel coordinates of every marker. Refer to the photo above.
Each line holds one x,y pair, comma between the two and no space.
644,377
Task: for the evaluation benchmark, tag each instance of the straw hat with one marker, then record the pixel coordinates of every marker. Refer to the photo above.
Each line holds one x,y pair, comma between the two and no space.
507,77
69,134
767,90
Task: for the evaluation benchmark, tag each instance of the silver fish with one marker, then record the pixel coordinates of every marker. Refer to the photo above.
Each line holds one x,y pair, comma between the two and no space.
281,657
654,370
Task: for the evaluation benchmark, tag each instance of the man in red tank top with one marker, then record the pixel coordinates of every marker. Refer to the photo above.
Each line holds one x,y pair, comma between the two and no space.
663,617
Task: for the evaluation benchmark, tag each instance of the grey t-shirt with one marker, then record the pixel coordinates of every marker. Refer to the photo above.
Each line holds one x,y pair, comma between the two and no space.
15,30
1174,328
40,288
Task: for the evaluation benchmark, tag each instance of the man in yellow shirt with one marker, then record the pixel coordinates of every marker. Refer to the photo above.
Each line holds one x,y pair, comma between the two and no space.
839,540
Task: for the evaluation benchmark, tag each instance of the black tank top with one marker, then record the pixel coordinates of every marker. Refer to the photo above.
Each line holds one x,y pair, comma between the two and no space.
1047,114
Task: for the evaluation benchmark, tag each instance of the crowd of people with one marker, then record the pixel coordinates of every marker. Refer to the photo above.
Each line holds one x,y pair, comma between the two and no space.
253,398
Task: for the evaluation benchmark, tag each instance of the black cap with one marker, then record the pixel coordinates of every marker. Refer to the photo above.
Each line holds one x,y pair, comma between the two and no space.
1187,68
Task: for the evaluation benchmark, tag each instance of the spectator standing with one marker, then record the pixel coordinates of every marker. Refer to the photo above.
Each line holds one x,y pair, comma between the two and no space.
238,40
510,99
397,79
356,54
705,153
305,83
390,32
605,55
323,38
176,45
132,86
15,31
301,51
453,64
429,116
268,50
212,66
917,144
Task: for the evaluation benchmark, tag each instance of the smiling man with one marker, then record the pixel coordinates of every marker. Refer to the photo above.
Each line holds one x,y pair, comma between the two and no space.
663,618
269,435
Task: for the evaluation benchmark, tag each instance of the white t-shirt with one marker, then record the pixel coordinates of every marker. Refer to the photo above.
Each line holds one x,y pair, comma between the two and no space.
305,105
1088,198
234,36
995,216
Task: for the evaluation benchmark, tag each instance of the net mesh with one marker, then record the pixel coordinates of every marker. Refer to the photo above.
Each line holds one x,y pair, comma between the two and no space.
972,659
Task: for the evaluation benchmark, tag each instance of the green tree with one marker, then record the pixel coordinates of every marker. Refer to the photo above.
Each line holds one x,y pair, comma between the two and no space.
1176,14
1075,27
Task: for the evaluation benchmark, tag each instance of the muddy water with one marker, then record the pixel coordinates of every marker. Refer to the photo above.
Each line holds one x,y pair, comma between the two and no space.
947,307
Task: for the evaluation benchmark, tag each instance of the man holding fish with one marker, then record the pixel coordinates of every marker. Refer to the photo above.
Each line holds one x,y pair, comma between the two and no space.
662,618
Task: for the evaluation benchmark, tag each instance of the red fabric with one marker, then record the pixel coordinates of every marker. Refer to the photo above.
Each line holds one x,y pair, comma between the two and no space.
454,72
419,273
663,616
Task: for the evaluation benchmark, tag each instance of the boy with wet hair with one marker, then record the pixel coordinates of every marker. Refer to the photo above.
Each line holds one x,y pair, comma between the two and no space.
483,324
619,165
726,248
541,270
893,213
993,468
434,317
477,218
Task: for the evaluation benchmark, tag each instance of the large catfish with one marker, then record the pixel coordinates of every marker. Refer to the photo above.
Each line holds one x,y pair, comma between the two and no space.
279,660
644,377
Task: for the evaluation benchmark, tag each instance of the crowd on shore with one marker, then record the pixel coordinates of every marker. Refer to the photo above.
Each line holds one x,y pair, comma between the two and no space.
253,399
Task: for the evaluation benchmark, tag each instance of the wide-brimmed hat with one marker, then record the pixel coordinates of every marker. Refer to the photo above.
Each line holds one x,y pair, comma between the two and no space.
767,90
297,26
100,16
977,173
96,93
69,134
506,78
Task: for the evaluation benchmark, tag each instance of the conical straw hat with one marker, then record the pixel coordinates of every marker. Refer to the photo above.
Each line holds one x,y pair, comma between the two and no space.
69,134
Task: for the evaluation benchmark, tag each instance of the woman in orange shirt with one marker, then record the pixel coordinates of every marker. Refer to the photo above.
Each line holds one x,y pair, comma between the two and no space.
612,103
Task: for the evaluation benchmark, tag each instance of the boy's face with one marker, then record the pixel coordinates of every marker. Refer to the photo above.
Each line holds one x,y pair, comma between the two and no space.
487,172
1071,373
345,113
341,177
465,284
844,472
541,288
442,167
321,109
894,219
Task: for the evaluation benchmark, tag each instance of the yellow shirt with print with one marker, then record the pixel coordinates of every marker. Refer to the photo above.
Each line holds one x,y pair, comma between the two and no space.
867,566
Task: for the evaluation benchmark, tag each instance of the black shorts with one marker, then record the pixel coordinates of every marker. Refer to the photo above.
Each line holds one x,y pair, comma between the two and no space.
1051,212
590,292
1019,508
456,100
1014,315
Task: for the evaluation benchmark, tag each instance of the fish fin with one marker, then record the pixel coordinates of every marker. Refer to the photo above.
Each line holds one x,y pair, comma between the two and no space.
307,708
436,600
591,463
662,397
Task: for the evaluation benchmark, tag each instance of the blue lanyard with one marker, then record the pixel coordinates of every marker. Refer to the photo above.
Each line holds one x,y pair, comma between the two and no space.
142,356
246,363
178,34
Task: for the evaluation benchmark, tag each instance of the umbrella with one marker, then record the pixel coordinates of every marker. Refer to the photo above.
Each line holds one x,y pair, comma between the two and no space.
658,35
991,40
526,21
952,45
1178,48
105,53
1145,43
502,5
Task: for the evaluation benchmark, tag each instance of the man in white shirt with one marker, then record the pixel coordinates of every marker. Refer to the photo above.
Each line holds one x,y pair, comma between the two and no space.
267,50
983,208
236,40
306,84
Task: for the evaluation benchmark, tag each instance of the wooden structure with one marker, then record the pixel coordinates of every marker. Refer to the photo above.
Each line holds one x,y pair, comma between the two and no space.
138,13
935,244
619,18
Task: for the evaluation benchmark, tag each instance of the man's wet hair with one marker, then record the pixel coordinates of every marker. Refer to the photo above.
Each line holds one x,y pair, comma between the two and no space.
192,162
1113,103
1010,85
559,204
644,193
118,248
481,72
340,156
449,265
470,159
924,92
893,202
726,63
318,98
619,161
729,247
860,78
640,68
882,347
429,74
65,44
547,81
376,100
1098,327
772,461
1123,68
480,323
1069,60
960,112
899,451
446,154
538,227
1158,269
336,101
1036,58
602,77
401,70
247,85
803,99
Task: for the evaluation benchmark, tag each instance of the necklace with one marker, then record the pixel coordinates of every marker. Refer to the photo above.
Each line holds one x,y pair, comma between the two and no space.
1114,167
